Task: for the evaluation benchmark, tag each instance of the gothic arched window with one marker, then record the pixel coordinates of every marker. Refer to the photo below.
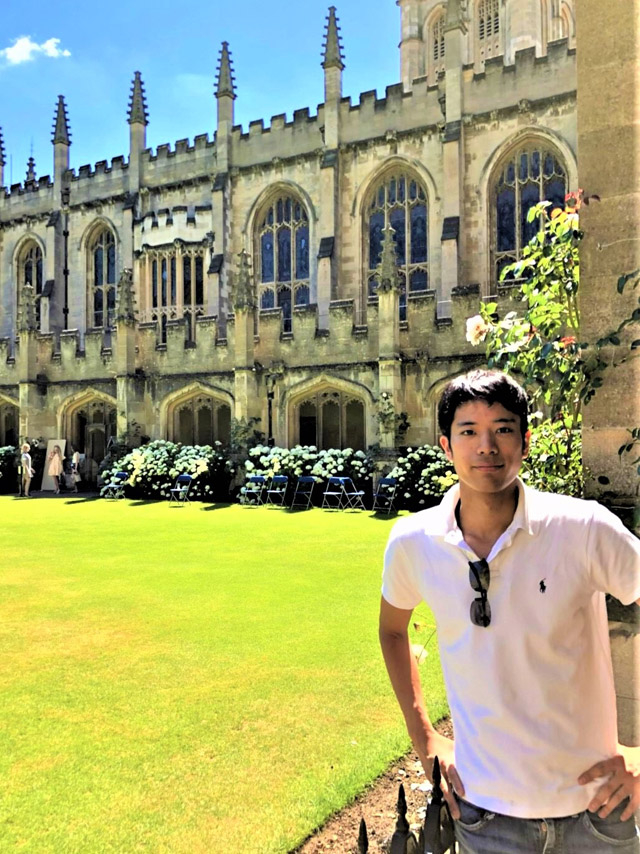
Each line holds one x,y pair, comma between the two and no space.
331,419
283,257
102,279
530,174
488,28
30,273
436,46
201,420
399,201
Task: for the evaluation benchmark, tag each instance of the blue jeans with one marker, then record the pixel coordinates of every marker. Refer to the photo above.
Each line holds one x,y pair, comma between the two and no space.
480,831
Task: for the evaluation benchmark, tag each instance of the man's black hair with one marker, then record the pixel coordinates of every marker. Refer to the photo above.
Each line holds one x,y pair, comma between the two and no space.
488,386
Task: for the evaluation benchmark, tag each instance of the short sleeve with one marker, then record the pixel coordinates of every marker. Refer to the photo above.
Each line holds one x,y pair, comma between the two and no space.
398,586
613,553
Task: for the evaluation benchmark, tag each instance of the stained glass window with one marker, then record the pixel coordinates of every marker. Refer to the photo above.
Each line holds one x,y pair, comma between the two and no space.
519,185
283,256
406,213
103,279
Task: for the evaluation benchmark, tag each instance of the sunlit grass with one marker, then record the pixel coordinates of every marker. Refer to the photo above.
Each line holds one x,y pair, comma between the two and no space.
180,680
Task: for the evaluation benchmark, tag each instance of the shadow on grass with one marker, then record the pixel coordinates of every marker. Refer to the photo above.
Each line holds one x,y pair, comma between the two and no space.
222,505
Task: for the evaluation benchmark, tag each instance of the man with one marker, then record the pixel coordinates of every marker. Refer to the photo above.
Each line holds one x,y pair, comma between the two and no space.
516,580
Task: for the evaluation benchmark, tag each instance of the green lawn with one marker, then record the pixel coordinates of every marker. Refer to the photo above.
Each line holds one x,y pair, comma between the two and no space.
182,679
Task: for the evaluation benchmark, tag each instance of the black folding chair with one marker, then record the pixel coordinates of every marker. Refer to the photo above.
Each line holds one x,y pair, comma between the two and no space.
303,492
115,488
355,497
334,496
385,494
180,492
277,490
254,489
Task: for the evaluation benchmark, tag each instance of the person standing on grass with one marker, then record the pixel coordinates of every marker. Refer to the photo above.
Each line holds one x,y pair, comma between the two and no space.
27,469
516,580
55,467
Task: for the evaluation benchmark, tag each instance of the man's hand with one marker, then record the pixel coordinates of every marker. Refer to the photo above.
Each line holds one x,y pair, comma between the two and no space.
624,782
442,747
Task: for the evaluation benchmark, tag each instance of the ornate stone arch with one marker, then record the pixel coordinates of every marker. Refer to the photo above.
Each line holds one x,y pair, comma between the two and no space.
74,402
100,243
23,241
96,225
193,393
88,420
28,264
522,138
345,392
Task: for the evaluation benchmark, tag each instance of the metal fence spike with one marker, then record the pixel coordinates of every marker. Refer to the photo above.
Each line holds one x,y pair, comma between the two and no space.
363,839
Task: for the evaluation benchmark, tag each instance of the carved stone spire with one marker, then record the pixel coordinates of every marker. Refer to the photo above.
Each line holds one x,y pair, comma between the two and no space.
332,55
138,103
3,161
125,298
27,318
31,171
61,132
387,271
225,84
243,291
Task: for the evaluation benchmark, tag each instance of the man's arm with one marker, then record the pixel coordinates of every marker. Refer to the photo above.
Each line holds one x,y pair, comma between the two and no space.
405,680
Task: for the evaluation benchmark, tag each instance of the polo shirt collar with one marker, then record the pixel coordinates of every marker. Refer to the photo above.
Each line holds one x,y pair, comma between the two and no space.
446,524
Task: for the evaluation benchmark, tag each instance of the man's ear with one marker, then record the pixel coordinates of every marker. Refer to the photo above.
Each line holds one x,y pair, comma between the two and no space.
446,447
527,439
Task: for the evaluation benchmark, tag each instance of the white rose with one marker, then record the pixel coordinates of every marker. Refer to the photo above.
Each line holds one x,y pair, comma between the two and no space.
476,330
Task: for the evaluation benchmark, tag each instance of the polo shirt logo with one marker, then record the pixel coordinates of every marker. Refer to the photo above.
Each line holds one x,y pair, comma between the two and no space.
543,586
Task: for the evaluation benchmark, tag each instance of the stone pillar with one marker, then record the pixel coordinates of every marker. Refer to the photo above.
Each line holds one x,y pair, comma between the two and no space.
611,246
27,359
245,387
452,155
389,366
125,356
411,43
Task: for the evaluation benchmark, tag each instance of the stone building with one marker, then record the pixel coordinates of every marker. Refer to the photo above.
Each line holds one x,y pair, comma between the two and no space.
316,273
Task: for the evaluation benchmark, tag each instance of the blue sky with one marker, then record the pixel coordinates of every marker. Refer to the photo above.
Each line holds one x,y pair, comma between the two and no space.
88,53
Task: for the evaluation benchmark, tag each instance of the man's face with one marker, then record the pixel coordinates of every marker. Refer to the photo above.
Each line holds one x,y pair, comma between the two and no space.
485,446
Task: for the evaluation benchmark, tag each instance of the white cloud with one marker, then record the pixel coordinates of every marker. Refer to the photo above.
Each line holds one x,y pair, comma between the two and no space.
24,49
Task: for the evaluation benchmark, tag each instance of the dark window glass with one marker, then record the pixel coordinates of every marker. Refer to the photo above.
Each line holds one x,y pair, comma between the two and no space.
199,281
511,173
267,257
284,254
270,217
173,280
413,190
267,300
419,281
381,197
401,189
284,302
376,224
397,222
524,167
302,252
111,306
403,306
302,295
164,281
287,210
205,425
555,191
224,424
529,196
97,307
308,424
548,166
392,191
154,283
28,273
111,263
186,279
506,220
98,265
296,212
535,164
279,211
418,234
39,274
373,286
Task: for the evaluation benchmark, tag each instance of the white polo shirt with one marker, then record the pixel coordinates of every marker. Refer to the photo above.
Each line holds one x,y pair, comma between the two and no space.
532,697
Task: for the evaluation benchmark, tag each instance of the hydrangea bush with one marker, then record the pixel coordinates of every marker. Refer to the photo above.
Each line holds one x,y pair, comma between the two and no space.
424,474
304,460
153,470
